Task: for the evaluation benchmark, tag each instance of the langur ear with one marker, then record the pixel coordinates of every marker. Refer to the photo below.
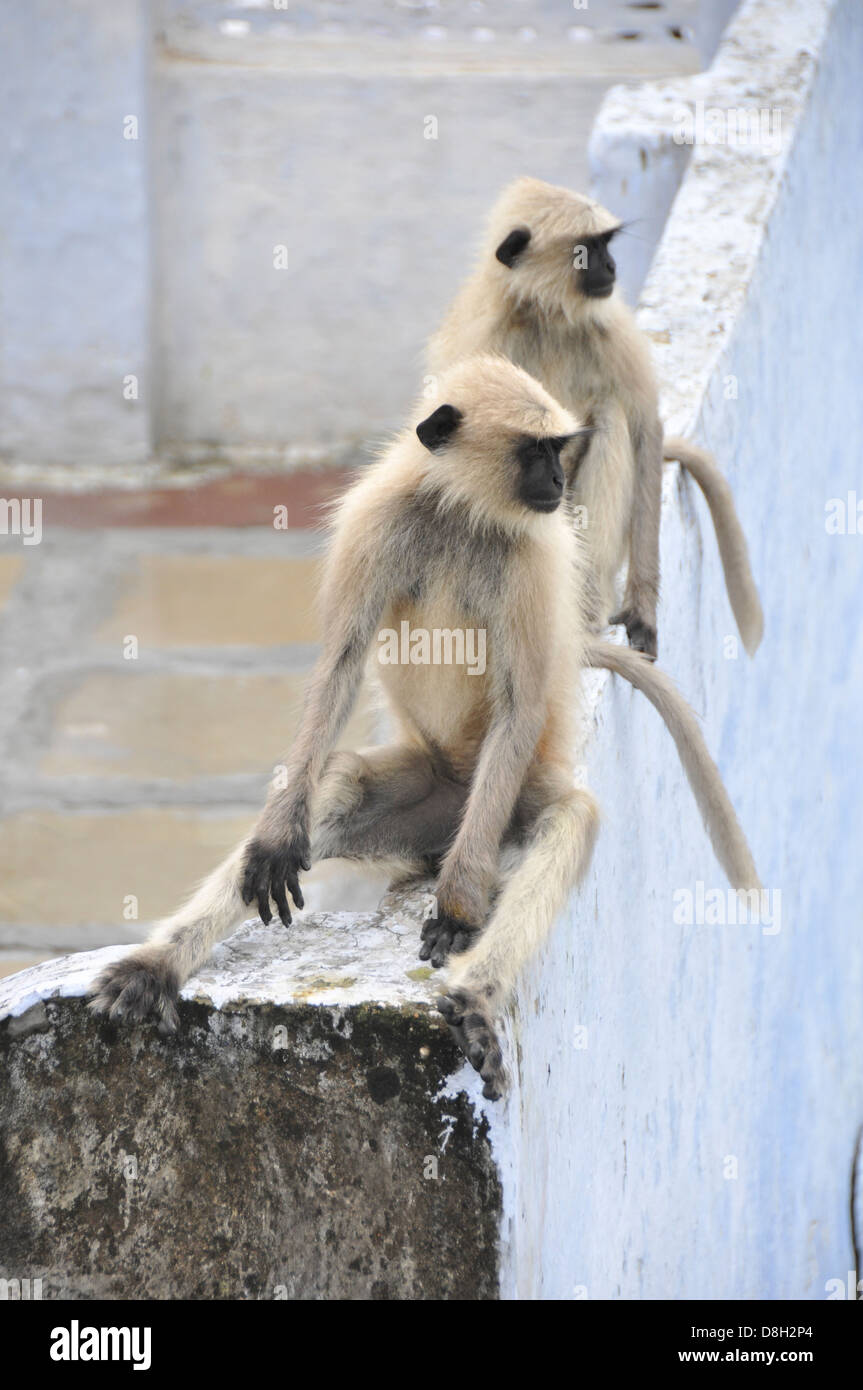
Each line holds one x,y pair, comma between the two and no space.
435,431
512,246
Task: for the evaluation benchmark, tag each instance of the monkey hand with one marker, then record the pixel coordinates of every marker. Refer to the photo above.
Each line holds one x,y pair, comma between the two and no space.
641,634
140,985
444,934
270,870
474,1033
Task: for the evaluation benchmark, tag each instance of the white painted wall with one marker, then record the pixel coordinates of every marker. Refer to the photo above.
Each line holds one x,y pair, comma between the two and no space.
74,254
637,159
305,126
706,1043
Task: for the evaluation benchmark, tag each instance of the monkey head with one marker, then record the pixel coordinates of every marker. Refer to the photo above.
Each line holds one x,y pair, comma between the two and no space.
548,249
498,442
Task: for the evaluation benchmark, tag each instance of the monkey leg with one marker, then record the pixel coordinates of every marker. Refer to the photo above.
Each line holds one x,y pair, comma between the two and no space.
445,934
388,803
480,982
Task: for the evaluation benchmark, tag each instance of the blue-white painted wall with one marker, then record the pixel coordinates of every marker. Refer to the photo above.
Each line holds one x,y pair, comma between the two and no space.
698,1141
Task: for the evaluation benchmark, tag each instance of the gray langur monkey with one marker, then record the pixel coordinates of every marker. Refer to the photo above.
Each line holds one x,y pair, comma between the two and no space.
462,523
543,295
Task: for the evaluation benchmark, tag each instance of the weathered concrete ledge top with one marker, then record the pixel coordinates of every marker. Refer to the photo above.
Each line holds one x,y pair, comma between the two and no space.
328,958
705,261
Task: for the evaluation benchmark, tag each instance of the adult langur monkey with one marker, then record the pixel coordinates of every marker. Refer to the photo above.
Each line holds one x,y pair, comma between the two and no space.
460,524
543,294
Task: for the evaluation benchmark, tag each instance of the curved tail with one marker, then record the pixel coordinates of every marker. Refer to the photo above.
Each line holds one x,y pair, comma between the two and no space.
739,582
721,823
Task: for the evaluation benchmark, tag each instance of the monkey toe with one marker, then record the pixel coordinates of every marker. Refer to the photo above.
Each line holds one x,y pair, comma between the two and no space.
437,946
444,936
451,1008
640,634
643,638
134,990
475,1035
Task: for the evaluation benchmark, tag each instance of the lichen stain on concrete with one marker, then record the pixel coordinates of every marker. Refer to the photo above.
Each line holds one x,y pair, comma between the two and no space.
324,983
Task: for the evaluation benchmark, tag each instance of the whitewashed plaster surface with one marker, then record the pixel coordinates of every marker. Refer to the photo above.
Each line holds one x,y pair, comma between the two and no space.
365,140
715,1050
329,958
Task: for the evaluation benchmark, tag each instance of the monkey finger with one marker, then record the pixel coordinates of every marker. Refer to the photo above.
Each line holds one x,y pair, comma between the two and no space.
295,890
264,912
248,890
440,952
280,898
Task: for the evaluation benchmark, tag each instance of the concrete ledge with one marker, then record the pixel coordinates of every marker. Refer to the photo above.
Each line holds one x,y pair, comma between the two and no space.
766,60
301,1137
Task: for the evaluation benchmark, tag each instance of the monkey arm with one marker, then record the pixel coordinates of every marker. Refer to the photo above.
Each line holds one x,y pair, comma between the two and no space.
355,589
642,582
519,672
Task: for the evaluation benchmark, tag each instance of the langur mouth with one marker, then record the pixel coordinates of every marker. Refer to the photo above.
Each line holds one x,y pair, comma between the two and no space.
600,291
544,504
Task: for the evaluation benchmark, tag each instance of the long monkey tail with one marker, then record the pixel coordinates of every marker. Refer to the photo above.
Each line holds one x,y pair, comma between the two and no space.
714,803
742,593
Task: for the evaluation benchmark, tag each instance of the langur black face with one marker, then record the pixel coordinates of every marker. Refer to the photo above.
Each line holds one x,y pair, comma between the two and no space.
595,265
592,261
541,478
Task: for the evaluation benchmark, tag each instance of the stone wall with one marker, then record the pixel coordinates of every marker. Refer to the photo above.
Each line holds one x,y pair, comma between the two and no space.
298,1139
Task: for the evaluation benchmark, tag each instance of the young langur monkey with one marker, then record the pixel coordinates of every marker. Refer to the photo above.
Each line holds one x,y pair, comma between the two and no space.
544,296
462,523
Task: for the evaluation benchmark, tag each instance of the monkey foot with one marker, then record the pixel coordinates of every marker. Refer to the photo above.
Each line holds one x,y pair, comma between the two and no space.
473,1030
442,936
641,634
134,988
